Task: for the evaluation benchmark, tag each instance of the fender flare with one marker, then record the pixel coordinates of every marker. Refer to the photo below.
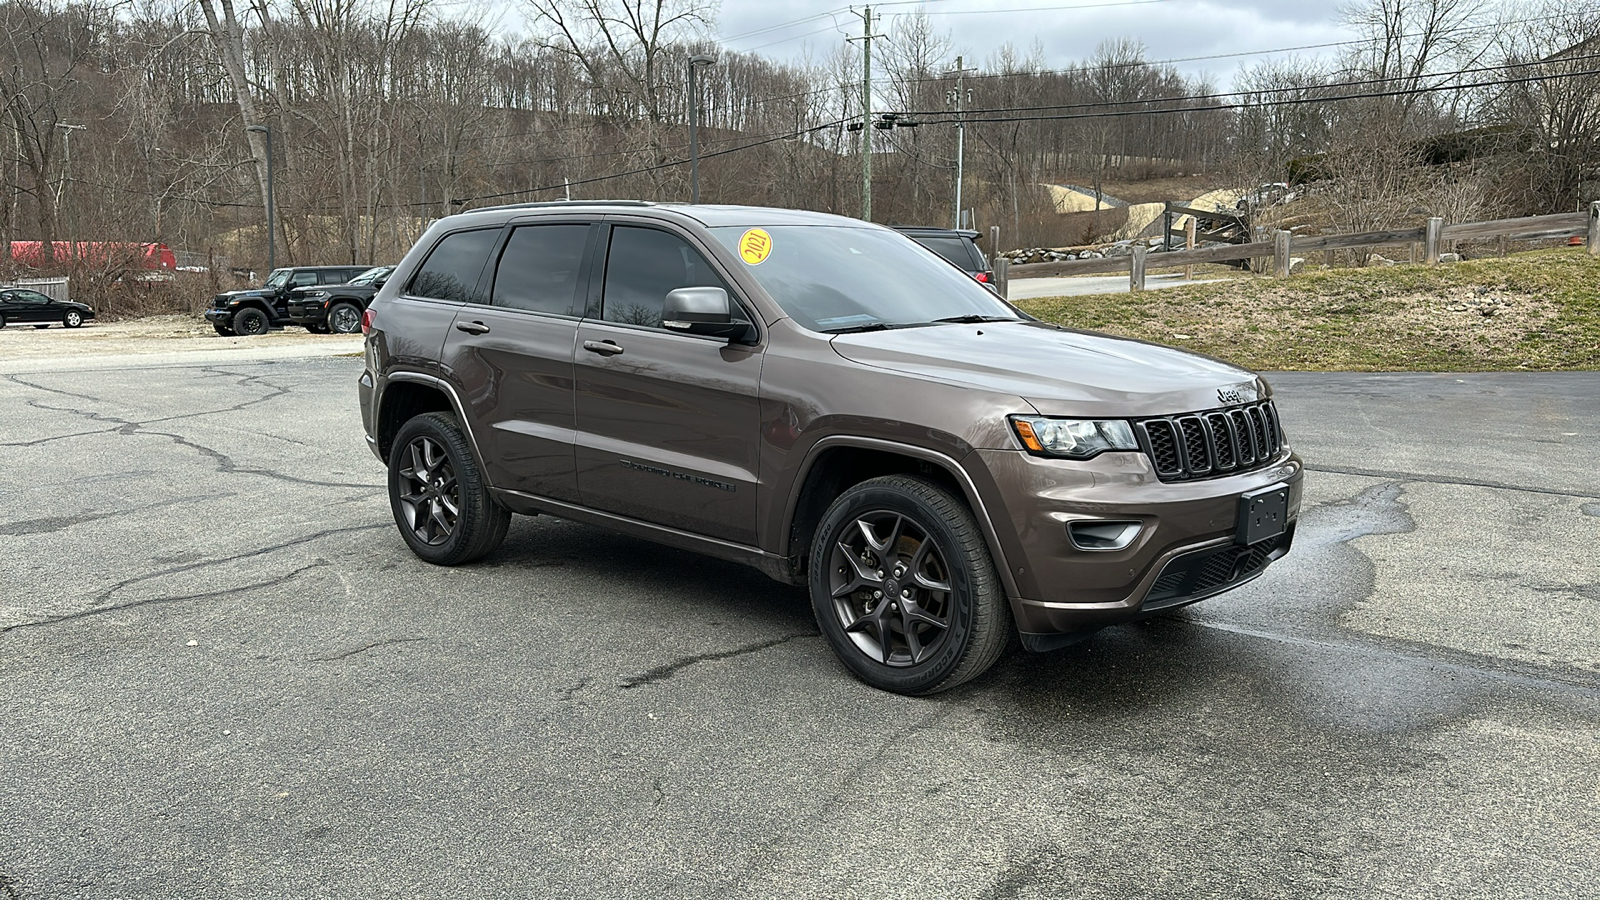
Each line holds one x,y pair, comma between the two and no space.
944,461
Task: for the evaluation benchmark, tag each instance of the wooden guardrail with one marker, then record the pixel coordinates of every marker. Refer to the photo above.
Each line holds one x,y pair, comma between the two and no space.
1283,244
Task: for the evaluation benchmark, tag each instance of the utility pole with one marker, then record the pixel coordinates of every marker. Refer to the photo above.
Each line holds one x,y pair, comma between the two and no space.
66,176
959,98
695,62
866,110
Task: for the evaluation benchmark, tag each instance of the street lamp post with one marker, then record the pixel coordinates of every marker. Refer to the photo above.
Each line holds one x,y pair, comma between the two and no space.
695,62
272,229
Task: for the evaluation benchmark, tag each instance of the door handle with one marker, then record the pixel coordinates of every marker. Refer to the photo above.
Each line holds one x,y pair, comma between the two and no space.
472,327
604,348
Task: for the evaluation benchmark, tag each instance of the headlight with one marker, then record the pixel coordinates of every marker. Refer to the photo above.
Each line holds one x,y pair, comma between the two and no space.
1073,438
317,295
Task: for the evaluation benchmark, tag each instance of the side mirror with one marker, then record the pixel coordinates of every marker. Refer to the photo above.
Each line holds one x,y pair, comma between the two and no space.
701,310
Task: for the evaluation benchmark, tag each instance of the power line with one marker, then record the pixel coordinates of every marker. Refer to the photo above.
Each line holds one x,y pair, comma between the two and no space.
1246,93
1292,101
641,170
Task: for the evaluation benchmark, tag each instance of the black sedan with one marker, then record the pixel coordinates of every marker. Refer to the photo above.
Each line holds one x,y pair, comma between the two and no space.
23,306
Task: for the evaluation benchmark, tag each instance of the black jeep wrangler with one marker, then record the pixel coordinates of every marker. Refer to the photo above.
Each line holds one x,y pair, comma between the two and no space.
337,308
256,310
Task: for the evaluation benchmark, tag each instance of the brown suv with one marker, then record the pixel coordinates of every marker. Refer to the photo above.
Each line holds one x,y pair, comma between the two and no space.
822,399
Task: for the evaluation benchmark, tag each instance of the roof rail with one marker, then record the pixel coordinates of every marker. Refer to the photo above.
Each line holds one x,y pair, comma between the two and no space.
546,204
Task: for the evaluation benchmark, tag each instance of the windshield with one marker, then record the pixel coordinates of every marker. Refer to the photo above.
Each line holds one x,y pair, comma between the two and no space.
833,278
278,278
370,275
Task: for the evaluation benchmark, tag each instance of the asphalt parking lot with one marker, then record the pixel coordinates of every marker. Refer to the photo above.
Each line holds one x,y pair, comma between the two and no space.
223,675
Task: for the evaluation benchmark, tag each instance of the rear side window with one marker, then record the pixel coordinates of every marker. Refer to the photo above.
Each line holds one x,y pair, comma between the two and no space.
452,269
643,265
339,276
954,249
539,268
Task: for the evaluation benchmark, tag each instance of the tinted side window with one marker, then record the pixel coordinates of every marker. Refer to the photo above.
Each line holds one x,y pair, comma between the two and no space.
954,249
452,269
539,268
643,265
303,279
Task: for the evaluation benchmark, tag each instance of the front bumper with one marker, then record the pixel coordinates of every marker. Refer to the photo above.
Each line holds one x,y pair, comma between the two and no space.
1186,548
223,316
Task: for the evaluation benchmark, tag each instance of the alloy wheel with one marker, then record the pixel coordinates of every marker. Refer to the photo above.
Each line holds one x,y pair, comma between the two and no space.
891,589
345,319
430,496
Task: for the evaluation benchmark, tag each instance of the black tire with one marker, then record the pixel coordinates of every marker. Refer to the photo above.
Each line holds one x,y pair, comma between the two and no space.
72,318
431,470
317,329
250,322
42,325
939,617
344,318
222,329
2,321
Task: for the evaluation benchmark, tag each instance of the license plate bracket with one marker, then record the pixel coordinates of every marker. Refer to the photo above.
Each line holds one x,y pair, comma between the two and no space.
1263,514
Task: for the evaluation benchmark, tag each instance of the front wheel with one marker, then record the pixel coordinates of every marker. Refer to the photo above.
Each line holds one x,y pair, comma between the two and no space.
222,329
72,319
344,318
904,588
250,322
440,501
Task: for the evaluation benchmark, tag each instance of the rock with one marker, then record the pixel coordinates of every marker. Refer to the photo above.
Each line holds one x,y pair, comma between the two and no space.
1118,250
1295,262
1449,257
1376,260
1091,254
1488,310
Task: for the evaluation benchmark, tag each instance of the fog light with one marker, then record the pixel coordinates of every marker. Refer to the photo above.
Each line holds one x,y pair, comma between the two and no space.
1102,534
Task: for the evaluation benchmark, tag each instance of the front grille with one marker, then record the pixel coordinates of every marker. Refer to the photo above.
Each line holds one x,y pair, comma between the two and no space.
1211,443
1206,572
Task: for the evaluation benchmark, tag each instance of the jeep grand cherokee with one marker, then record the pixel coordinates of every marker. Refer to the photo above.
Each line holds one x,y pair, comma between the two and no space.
824,400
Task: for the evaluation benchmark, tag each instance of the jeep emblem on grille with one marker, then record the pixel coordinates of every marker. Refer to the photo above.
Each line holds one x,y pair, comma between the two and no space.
1244,393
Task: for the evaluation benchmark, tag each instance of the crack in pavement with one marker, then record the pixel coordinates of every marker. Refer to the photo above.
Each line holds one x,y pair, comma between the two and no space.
225,463
154,601
664,672
61,523
365,647
1443,479
106,594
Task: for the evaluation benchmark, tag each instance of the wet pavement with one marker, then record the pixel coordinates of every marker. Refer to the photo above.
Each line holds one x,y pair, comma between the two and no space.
224,676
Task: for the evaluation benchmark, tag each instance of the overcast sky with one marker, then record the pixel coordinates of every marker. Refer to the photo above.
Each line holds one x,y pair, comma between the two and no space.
1068,30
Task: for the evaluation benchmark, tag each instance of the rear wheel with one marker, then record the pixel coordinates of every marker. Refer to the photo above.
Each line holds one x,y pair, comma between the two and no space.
344,318
904,588
440,501
250,322
72,319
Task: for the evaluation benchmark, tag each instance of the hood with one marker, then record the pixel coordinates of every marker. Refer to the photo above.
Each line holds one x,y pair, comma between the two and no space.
1060,371
247,292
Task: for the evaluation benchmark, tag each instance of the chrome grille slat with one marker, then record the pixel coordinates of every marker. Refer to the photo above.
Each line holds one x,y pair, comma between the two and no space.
1209,443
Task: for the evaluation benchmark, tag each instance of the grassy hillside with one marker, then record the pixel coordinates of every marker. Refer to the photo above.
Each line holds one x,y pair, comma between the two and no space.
1535,311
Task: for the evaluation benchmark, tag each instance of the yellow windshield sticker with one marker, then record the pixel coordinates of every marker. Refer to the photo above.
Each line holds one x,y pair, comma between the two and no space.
754,246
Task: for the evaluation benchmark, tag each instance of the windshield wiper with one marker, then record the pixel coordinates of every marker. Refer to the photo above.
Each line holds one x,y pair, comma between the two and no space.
973,319
857,329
